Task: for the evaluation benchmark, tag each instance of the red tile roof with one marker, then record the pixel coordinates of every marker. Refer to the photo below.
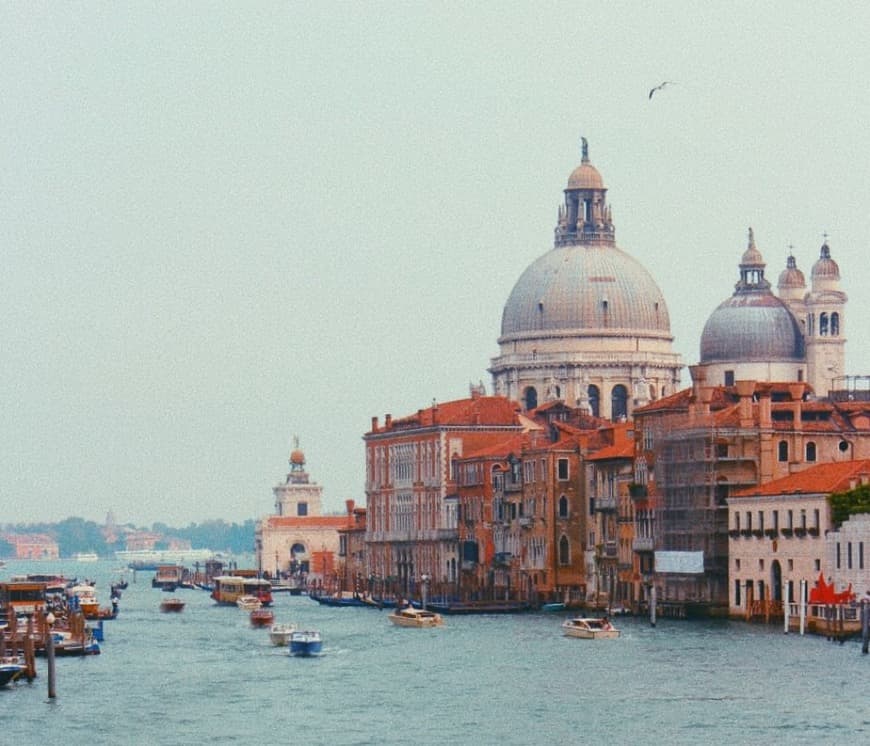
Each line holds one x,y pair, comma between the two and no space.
476,411
821,479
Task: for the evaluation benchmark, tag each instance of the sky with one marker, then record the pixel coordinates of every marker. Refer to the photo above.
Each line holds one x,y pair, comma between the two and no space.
226,225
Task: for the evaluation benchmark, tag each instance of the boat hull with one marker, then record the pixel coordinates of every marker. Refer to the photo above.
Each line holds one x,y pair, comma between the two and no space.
589,629
305,644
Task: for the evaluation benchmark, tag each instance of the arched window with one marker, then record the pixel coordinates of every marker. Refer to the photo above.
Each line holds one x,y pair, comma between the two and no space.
835,324
594,399
564,551
811,451
823,324
530,397
783,450
618,402
563,507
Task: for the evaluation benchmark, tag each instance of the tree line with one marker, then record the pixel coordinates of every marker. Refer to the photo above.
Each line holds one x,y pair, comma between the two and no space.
79,535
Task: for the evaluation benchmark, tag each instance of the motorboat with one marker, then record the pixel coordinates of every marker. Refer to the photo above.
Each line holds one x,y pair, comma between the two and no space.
411,617
305,643
554,606
262,617
248,603
172,605
84,597
279,634
589,628
11,668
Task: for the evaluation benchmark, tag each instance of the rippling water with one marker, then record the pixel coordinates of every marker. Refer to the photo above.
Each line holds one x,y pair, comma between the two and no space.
206,676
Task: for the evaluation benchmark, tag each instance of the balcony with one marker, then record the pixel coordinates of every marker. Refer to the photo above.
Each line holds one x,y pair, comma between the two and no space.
643,544
525,521
605,504
637,491
609,548
734,533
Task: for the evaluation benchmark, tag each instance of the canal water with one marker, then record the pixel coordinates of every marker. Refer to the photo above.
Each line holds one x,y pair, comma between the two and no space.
205,676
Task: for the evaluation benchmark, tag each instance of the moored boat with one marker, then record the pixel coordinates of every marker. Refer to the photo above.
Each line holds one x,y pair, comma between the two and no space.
305,643
411,617
261,617
172,605
279,634
554,606
589,628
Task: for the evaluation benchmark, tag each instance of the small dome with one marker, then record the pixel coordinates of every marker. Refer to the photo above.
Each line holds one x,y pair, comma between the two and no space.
752,326
752,256
826,267
791,276
585,176
297,457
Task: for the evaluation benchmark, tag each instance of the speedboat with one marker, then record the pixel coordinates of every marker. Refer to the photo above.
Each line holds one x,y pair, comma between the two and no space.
11,667
589,628
262,617
172,604
411,617
279,634
248,603
304,643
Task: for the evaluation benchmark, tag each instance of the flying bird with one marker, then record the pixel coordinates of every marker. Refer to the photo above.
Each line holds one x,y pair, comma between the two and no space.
659,87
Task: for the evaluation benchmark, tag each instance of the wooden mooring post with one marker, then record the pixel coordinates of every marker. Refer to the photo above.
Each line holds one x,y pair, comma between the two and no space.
865,626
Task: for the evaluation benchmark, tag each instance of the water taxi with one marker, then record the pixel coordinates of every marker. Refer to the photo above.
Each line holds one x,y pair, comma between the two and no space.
279,634
248,603
589,628
228,589
262,617
305,643
411,617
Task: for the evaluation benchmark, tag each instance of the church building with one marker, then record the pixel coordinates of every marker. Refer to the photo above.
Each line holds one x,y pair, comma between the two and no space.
586,323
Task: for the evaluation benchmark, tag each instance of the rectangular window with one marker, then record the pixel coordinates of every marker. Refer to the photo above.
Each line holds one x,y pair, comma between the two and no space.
776,520
790,521
860,555
816,519
838,555
749,520
761,520
849,555
562,469
817,565
302,509
729,377
737,593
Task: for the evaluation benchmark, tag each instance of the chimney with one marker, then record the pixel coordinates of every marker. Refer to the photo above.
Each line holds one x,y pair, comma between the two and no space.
388,420
796,392
374,424
745,390
350,505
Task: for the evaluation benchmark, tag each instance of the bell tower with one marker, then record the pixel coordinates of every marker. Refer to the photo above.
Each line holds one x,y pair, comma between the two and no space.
825,304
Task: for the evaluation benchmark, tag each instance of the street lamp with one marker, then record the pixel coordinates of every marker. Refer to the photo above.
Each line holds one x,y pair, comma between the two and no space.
424,578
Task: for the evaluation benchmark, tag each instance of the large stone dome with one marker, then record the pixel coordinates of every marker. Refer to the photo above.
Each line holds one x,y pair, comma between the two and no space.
586,323
752,327
583,289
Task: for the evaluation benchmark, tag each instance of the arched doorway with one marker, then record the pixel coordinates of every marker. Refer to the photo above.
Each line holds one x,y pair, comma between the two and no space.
530,397
594,400
776,581
618,402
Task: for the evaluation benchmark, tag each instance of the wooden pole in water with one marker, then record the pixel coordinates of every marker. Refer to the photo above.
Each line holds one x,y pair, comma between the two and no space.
652,605
785,607
802,610
865,626
49,660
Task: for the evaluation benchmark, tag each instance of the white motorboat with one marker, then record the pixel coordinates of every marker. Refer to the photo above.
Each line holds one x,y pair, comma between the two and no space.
411,617
589,628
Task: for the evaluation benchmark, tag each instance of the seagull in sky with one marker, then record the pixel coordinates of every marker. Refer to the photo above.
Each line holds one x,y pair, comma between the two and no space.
659,87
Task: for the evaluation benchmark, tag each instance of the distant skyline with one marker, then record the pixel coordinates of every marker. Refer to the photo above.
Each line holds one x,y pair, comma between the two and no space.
226,224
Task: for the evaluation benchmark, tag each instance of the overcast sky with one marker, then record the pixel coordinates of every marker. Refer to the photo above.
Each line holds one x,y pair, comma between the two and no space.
226,224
